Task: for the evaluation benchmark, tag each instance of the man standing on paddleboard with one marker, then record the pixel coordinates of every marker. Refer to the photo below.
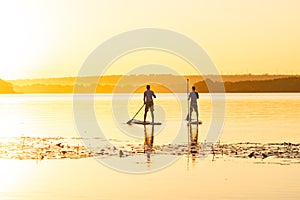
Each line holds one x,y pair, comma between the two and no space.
148,101
193,105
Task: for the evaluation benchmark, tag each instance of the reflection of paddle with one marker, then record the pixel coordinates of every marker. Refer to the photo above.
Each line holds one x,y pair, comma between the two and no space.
129,122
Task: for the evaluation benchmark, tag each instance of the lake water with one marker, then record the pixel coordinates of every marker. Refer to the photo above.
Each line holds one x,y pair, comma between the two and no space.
257,118
248,117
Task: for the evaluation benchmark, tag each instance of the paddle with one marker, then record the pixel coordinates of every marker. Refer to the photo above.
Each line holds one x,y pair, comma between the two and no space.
187,94
129,122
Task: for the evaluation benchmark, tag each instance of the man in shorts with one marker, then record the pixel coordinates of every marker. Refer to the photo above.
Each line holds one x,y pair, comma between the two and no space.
148,101
193,105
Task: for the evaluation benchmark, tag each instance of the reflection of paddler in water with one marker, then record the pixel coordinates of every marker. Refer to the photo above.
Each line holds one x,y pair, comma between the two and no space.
149,139
193,139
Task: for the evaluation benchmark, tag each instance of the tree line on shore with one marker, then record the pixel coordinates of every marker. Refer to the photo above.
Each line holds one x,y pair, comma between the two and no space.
159,83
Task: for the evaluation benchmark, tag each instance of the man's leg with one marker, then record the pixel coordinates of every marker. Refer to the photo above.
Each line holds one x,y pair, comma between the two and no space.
197,113
152,113
145,114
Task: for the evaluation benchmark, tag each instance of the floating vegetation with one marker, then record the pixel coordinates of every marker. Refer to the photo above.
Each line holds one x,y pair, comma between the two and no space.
24,148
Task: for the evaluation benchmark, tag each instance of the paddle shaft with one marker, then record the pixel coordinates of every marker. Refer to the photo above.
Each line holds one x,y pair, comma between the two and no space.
137,112
188,118
187,93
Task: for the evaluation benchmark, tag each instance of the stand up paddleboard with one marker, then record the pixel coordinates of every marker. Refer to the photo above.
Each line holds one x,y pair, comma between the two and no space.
194,122
135,121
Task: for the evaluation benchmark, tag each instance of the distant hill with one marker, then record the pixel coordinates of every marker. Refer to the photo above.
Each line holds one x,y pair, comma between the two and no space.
6,87
291,84
160,83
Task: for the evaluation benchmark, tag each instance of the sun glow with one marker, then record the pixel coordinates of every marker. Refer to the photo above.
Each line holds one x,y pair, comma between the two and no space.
9,175
26,39
53,38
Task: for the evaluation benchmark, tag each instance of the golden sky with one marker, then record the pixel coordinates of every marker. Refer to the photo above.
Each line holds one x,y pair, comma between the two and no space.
52,38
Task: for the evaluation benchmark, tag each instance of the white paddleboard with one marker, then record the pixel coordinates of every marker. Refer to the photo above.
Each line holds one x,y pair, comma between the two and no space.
194,122
135,121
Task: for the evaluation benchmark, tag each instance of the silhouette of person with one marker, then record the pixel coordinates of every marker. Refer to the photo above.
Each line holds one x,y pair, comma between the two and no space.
193,105
148,101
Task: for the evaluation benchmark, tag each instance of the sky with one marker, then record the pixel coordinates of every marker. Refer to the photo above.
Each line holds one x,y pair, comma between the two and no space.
53,38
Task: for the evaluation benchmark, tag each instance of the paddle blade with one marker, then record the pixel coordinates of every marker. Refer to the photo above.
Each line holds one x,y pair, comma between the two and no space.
187,117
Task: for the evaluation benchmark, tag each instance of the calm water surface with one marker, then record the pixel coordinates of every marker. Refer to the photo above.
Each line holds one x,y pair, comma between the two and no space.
248,117
259,118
